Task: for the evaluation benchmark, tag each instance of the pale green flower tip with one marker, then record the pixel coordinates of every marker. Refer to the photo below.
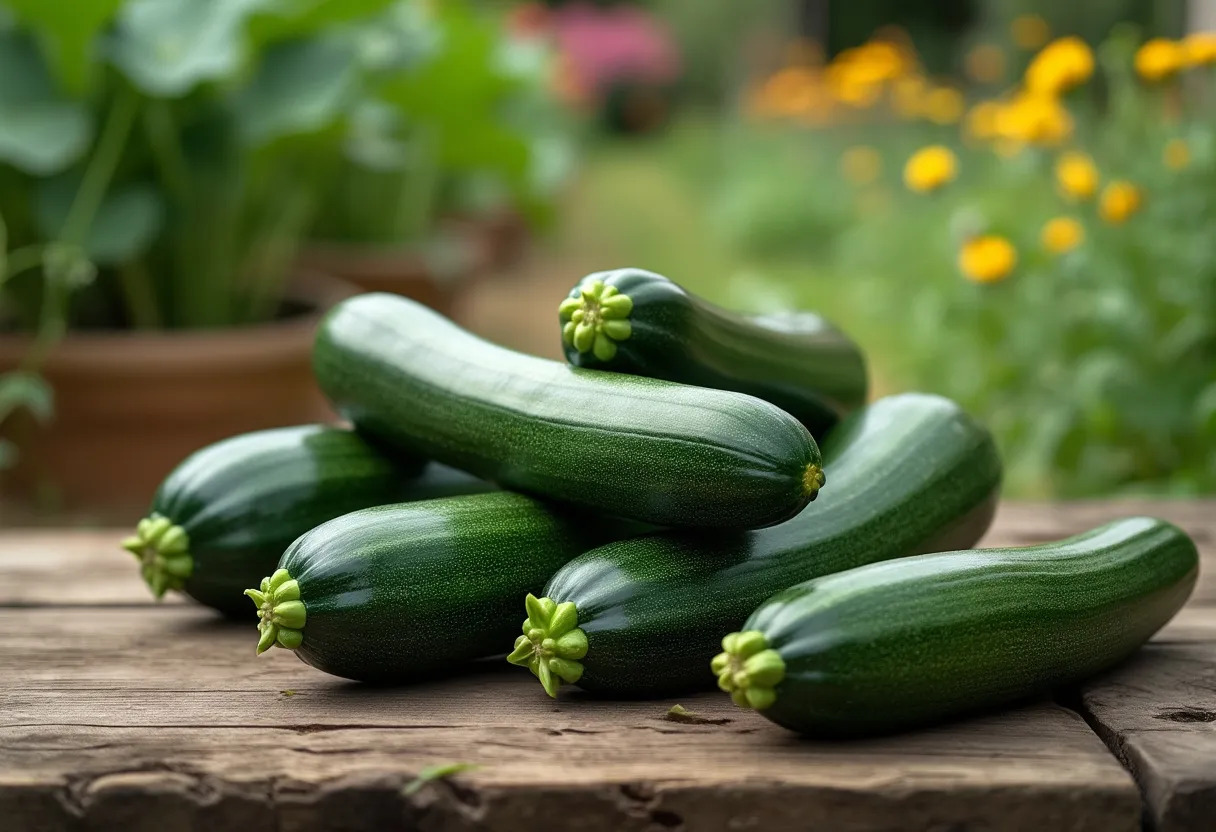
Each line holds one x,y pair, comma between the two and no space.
568,333
288,591
618,330
256,596
760,698
584,336
719,663
180,566
603,348
289,638
728,642
566,670
267,637
565,619
522,654
617,306
134,545
740,698
608,292
572,645
289,614
813,479
280,577
765,669
536,612
749,643
578,316
265,585
547,679
724,682
568,307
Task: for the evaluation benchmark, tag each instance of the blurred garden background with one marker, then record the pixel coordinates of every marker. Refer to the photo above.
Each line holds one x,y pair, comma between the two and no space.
1009,202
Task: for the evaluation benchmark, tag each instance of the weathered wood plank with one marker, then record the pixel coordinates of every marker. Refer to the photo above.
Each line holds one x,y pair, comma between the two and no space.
113,717
44,567
1158,712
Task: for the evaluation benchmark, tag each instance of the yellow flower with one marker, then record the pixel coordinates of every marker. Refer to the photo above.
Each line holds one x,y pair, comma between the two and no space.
861,164
1029,31
1160,59
1031,118
929,168
1200,48
982,120
1120,199
1177,154
1063,64
1076,176
985,63
987,259
1062,234
944,105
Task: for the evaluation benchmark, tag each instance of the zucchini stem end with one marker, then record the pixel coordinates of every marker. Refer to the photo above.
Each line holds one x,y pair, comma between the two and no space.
748,669
551,644
595,318
281,613
163,551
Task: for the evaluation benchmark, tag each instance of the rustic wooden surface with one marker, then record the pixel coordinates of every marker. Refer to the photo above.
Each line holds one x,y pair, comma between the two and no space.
119,714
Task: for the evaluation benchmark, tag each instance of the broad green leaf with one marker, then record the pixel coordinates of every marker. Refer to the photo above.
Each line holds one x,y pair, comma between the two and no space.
20,389
287,19
67,29
40,133
167,47
300,87
125,226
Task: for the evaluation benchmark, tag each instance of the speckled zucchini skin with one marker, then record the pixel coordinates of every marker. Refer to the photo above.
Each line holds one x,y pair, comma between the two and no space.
649,450
402,592
895,645
799,361
242,501
909,474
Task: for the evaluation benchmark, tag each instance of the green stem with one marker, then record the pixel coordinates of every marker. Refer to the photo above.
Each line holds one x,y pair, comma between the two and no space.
23,259
140,295
100,172
166,152
268,268
552,644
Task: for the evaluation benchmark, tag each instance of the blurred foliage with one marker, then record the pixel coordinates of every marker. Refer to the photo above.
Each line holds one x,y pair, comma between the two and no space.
1079,322
162,160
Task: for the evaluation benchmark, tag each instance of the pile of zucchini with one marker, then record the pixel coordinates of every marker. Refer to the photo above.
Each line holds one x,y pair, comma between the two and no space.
660,505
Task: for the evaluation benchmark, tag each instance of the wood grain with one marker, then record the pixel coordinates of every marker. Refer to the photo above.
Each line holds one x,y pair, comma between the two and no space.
116,713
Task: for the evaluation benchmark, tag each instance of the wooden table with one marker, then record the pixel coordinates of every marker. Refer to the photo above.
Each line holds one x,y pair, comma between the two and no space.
116,713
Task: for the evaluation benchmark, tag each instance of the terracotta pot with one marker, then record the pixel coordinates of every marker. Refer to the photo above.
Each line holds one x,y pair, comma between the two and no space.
130,405
401,271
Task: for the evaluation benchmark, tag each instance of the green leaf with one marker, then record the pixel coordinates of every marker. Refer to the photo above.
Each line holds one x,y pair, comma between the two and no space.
125,226
297,18
167,47
435,772
300,87
40,133
67,29
20,389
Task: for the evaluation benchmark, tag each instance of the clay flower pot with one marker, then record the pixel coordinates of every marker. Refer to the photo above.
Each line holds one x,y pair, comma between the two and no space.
129,406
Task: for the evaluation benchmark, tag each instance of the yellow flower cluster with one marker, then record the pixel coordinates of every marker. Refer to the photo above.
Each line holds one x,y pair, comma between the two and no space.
1160,59
1062,234
930,168
1120,199
1062,65
987,259
1076,176
856,79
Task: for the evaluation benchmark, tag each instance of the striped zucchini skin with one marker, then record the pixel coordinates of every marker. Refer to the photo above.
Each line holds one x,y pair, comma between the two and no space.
242,501
799,362
896,645
648,450
910,474
408,591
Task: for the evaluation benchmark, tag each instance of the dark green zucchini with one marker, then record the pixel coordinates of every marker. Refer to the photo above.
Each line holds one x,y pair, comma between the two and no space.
910,474
635,321
222,518
406,591
895,645
649,450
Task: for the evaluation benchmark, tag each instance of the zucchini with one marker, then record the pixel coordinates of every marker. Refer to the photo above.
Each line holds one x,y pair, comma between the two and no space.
649,450
635,321
405,591
223,517
910,474
896,645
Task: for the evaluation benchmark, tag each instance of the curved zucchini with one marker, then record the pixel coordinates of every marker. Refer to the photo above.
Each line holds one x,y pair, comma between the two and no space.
635,321
895,645
222,518
406,591
910,474
649,450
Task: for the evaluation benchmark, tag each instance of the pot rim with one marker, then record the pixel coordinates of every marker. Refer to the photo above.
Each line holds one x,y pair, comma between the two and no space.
260,343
